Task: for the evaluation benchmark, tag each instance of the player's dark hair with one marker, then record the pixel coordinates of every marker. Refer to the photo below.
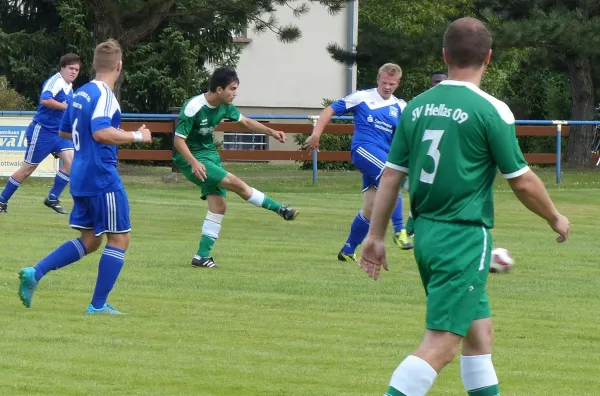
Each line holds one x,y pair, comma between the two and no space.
467,42
222,77
438,72
69,59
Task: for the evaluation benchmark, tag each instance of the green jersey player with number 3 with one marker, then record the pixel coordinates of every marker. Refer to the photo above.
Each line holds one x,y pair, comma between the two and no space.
452,140
199,161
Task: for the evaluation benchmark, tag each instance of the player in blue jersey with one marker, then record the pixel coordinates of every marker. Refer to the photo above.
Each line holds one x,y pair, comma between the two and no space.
42,135
376,113
100,204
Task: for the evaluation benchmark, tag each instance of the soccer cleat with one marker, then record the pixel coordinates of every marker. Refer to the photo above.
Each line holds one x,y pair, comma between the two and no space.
106,309
287,213
55,205
3,207
27,285
347,257
204,262
401,239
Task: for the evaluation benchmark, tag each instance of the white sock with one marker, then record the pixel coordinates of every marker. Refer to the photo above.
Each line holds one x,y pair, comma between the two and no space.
405,184
477,372
212,225
413,377
256,198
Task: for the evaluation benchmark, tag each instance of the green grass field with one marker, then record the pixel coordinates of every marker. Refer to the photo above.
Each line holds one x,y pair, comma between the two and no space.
282,316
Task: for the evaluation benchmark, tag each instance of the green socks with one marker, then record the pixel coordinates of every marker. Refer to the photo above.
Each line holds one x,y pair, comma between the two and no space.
269,204
206,245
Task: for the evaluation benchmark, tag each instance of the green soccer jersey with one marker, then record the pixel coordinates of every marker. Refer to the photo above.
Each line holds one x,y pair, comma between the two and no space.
198,120
452,140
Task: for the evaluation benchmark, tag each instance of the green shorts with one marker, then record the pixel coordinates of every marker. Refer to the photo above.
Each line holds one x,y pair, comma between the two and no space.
454,262
214,173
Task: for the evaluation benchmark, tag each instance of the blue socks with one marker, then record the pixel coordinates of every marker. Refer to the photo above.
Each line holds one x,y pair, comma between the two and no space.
358,232
360,227
60,182
397,219
109,268
65,254
9,190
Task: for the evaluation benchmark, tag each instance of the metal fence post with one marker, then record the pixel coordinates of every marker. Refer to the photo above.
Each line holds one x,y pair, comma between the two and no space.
558,150
314,120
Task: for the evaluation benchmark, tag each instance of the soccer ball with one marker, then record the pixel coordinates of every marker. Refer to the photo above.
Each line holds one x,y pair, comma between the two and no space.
502,260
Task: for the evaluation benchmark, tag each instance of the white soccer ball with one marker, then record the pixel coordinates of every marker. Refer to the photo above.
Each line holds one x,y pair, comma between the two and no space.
502,260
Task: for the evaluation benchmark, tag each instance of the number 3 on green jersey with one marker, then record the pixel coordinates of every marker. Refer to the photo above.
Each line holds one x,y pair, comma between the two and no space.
452,139
435,135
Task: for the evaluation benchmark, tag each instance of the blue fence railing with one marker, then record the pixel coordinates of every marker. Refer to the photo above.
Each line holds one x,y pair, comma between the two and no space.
167,117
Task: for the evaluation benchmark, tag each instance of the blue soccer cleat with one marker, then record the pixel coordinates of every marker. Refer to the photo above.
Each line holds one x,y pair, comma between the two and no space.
27,285
106,309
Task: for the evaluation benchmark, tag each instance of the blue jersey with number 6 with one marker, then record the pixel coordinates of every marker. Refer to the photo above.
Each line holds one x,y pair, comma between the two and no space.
94,170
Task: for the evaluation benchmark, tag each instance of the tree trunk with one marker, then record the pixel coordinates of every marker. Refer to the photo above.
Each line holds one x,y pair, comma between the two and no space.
581,137
110,25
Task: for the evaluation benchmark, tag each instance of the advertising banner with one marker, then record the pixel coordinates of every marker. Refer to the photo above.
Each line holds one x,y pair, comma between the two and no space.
12,152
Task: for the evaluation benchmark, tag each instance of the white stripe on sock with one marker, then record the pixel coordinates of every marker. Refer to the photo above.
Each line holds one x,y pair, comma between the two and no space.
14,182
362,217
114,254
63,176
79,247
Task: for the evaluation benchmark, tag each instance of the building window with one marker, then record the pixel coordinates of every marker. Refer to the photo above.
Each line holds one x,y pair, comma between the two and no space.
240,36
245,141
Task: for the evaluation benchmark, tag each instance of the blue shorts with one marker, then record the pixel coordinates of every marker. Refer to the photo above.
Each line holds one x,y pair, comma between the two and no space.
370,161
104,213
41,142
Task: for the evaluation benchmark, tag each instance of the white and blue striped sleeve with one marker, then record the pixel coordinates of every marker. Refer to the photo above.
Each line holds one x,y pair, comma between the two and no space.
52,87
348,103
105,108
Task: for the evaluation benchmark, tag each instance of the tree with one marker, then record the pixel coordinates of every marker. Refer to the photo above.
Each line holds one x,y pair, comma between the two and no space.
405,32
532,48
167,43
564,36
10,99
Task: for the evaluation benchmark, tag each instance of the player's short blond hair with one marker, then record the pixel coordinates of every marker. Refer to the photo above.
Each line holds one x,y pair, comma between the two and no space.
107,56
391,69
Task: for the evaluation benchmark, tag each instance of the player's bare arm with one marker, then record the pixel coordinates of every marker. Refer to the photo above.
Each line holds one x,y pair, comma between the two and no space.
182,148
53,104
315,137
257,127
373,251
116,136
531,192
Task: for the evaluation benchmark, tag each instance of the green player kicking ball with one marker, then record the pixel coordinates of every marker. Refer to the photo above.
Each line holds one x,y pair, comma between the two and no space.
199,161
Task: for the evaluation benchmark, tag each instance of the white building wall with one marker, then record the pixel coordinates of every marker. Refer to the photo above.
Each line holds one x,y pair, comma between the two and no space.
299,75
